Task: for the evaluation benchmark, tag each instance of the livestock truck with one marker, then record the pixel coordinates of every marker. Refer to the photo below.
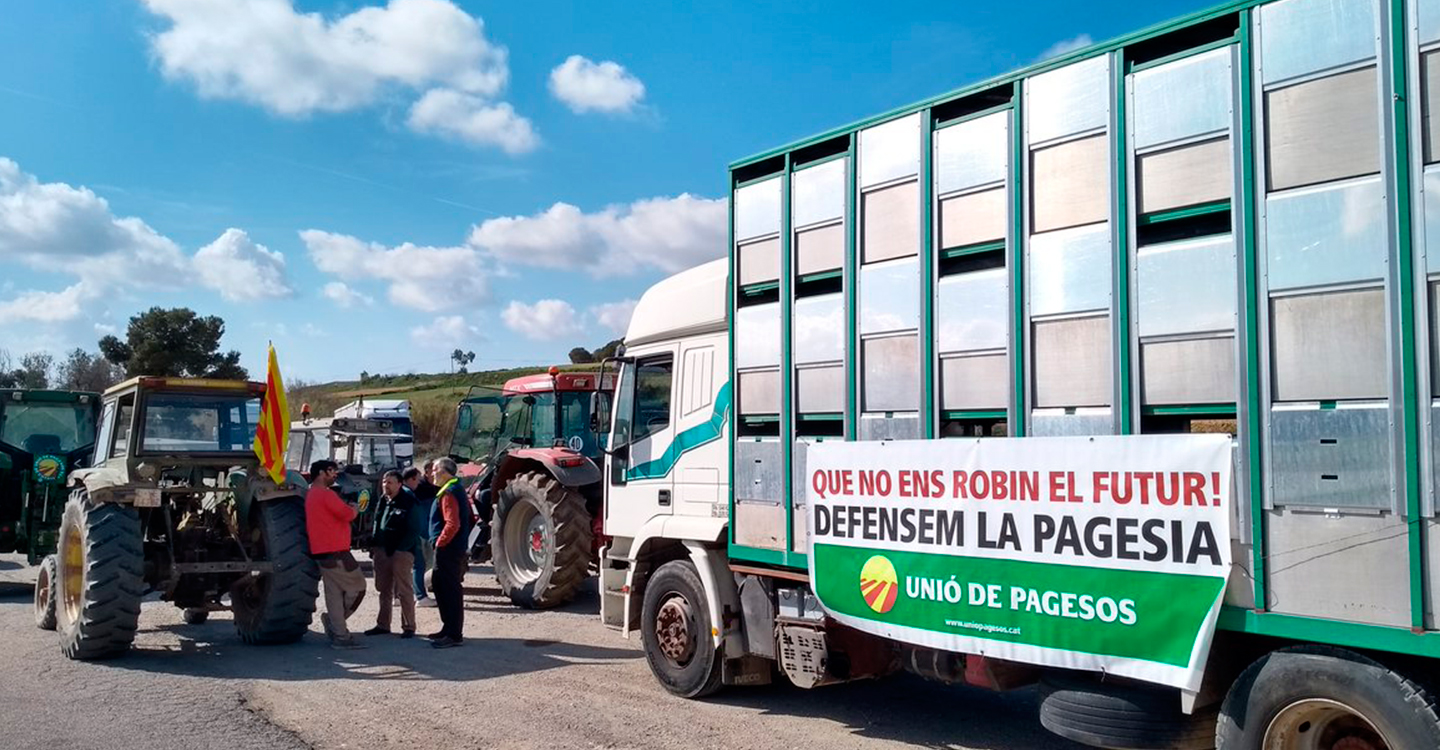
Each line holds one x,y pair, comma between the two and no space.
1115,374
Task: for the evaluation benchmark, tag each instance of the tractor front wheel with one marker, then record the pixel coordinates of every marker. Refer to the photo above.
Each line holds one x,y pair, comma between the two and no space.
99,578
540,541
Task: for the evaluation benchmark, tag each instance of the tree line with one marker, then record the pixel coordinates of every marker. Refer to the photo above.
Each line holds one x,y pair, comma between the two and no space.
163,342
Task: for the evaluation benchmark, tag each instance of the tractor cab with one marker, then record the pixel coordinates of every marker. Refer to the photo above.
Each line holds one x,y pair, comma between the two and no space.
551,410
44,435
364,449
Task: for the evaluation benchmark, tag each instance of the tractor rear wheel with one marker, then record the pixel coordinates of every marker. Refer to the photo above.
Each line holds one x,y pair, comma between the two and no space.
99,578
45,594
541,541
276,607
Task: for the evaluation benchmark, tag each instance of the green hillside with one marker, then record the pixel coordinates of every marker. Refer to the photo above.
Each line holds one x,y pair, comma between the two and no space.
432,398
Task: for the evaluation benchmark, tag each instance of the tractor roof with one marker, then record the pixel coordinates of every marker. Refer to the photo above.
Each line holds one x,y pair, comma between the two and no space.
33,394
543,383
162,383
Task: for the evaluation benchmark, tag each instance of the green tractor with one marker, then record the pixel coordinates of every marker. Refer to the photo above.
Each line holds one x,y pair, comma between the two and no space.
44,435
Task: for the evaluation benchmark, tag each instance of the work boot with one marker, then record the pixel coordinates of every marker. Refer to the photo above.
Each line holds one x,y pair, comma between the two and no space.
377,630
446,642
407,634
347,644
427,602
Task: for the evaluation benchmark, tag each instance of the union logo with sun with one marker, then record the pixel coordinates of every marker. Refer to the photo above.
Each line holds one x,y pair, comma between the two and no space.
50,469
879,584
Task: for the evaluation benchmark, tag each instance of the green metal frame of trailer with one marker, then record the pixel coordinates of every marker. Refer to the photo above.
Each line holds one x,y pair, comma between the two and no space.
1336,476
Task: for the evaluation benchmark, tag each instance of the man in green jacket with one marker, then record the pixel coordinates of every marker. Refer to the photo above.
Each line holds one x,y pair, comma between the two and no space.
397,543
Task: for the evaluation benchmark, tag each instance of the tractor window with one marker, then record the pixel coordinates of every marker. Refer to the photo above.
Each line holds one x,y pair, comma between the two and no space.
47,427
652,395
200,422
123,420
295,453
575,420
542,415
103,435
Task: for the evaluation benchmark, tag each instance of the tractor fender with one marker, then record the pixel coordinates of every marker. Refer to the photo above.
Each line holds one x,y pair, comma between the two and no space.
552,461
251,488
102,484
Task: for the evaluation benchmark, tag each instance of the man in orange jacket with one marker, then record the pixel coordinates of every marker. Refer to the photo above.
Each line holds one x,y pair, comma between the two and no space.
327,523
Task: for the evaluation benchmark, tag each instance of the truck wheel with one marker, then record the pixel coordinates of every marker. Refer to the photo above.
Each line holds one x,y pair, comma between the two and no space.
675,627
99,578
1122,717
540,542
276,607
194,615
1327,699
45,594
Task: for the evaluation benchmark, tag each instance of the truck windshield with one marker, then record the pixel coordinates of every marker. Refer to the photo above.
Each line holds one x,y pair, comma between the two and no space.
40,428
200,422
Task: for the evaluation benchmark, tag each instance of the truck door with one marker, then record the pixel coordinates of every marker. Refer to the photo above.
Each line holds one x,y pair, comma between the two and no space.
641,481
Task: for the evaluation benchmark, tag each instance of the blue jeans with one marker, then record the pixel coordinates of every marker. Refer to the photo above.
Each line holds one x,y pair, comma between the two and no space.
425,555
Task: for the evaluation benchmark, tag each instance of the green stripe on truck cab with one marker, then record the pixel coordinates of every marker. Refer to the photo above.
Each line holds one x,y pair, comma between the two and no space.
690,439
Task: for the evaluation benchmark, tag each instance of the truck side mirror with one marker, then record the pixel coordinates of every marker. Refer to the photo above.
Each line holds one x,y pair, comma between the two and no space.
464,419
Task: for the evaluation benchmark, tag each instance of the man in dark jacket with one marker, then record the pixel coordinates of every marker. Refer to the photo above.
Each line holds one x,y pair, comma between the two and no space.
450,522
396,545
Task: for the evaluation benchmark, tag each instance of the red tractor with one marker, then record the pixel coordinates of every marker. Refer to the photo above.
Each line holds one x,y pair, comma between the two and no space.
531,471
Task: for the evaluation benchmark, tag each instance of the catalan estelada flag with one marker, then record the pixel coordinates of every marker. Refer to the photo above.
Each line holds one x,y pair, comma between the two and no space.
273,432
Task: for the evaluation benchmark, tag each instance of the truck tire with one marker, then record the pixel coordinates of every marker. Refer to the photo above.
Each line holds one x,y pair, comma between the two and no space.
276,607
1323,696
45,594
1122,717
540,543
194,615
99,578
675,628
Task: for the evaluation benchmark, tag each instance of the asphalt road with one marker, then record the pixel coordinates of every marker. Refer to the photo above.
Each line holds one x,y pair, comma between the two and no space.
522,680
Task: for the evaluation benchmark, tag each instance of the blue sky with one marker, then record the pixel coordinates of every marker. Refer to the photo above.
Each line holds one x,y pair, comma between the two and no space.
372,184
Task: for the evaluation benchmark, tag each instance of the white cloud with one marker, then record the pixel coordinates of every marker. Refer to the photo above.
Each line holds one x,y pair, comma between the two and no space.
293,64
669,234
472,119
48,307
241,269
58,228
1065,46
429,279
585,85
546,320
343,296
264,52
445,332
615,315
55,228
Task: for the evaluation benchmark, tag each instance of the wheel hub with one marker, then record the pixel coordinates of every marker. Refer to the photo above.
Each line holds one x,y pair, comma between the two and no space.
1323,724
535,531
674,629
72,549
